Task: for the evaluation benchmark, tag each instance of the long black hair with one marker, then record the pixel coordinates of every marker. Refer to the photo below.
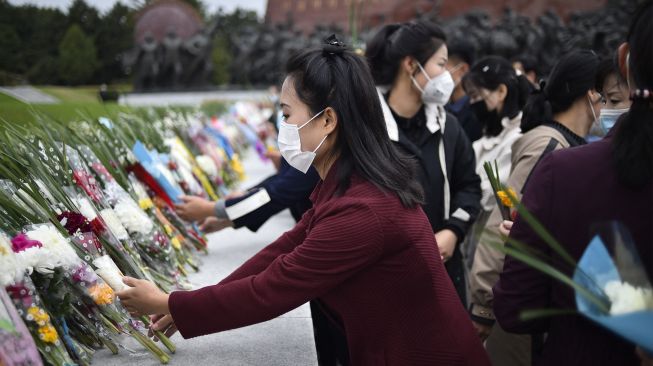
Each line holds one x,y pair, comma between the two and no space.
489,73
332,76
633,141
571,78
419,39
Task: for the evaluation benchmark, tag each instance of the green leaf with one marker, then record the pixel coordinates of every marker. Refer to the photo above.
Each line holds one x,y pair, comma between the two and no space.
532,314
542,232
602,303
7,326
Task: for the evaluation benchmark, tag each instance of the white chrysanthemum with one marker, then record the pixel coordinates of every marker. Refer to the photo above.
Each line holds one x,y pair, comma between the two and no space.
132,217
626,298
12,267
37,258
107,269
207,165
113,223
56,250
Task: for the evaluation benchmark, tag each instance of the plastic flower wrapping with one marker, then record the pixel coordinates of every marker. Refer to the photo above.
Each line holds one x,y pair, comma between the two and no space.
612,271
610,283
82,206
16,343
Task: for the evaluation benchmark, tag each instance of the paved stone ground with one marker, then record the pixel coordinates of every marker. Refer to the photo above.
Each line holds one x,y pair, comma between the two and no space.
287,340
29,94
189,98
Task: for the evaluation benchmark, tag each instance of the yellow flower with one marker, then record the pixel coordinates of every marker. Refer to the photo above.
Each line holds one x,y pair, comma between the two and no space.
102,294
175,242
237,167
505,197
168,229
40,317
145,203
48,334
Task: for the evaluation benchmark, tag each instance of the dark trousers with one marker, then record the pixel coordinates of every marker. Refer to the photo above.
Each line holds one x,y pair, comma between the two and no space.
330,338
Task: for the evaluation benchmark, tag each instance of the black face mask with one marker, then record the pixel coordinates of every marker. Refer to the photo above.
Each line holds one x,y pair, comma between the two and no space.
490,120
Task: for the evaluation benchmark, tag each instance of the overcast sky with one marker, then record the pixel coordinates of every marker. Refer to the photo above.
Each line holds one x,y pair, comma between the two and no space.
104,5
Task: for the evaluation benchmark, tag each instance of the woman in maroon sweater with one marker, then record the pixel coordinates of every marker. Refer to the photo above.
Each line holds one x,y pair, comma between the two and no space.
365,250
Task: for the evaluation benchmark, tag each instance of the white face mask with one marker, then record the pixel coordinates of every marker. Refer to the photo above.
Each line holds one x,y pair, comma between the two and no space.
290,145
437,90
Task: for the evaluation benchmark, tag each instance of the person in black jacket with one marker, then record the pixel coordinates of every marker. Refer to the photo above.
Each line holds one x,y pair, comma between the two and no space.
461,58
408,62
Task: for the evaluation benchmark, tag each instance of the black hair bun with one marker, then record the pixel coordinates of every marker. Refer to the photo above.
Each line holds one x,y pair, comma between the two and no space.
333,46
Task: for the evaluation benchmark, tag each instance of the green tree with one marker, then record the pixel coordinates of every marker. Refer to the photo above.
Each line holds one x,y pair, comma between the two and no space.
9,48
45,71
85,16
77,57
114,37
38,30
221,58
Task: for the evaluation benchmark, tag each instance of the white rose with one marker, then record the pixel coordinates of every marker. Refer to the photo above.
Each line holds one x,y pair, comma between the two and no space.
113,223
626,298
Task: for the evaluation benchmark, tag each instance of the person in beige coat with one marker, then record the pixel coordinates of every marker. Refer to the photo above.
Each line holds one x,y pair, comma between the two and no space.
497,96
555,118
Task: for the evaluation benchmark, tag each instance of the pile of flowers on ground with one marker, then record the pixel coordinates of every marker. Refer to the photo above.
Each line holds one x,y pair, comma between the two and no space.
84,203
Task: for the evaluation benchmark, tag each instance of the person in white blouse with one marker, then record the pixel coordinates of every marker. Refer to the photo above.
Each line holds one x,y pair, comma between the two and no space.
497,96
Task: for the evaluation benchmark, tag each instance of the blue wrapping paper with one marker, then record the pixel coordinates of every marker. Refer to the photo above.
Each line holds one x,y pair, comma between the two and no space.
596,268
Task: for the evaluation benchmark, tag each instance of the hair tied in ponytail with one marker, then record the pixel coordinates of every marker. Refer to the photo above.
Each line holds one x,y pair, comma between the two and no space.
641,94
333,46
541,90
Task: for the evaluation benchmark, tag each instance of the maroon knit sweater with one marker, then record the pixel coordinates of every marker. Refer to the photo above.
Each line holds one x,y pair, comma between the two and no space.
372,262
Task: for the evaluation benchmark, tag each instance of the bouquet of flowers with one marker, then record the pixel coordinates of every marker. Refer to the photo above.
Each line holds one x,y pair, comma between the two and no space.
16,344
610,283
153,245
501,193
37,319
55,263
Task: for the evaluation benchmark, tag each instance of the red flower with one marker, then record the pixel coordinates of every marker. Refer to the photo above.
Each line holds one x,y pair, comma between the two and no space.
74,222
97,226
101,170
87,183
150,182
18,292
21,242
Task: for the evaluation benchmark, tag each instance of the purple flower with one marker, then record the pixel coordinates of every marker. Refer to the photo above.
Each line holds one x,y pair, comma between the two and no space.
84,274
